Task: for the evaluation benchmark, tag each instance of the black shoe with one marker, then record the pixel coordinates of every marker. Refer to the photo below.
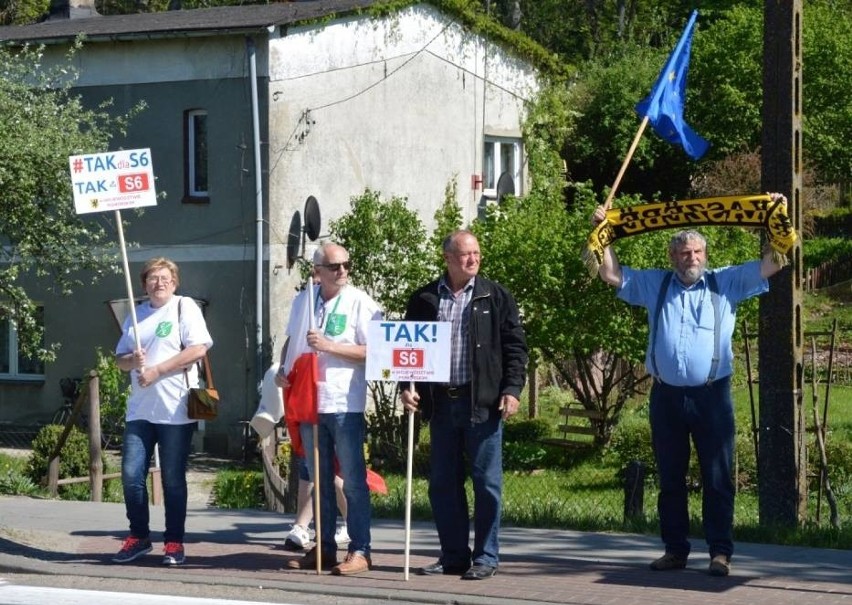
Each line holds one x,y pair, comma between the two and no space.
480,571
439,569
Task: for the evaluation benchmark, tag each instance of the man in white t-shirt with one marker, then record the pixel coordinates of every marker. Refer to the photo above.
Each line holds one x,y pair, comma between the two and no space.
341,315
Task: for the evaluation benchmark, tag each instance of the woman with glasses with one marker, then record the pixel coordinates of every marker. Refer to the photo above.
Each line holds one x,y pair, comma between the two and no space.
172,337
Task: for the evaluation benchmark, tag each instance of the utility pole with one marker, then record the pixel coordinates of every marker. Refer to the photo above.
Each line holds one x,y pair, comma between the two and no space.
782,460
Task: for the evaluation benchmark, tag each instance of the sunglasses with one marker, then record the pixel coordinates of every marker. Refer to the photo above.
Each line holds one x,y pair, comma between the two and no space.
336,266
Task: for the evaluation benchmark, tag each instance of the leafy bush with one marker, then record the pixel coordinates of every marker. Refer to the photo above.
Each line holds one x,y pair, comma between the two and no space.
835,224
239,488
631,440
839,457
825,249
525,431
13,478
73,461
523,456
15,483
746,462
114,390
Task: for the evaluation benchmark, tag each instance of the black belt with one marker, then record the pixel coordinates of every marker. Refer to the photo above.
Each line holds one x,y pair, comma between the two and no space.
452,392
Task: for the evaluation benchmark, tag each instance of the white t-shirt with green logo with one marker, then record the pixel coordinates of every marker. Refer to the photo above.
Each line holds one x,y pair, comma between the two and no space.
342,386
163,402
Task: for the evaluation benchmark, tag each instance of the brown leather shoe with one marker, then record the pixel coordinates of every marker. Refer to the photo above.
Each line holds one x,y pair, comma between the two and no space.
355,562
669,561
309,561
720,565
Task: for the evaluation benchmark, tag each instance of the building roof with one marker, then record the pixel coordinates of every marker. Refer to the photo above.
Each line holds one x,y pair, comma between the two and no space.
225,19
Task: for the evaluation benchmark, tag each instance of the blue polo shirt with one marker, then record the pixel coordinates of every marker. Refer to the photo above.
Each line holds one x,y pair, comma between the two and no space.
684,342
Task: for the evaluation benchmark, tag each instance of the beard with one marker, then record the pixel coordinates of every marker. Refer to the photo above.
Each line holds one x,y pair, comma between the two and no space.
692,274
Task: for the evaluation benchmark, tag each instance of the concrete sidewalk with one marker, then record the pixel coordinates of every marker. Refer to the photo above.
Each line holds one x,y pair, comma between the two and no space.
242,548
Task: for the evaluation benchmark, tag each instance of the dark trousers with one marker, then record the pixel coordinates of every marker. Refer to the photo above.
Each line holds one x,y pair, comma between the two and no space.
706,413
455,443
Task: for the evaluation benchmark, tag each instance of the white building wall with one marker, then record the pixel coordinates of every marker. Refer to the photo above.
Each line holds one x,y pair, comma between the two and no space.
399,106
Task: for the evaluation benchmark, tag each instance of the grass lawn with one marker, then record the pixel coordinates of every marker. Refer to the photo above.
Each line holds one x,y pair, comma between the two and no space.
590,494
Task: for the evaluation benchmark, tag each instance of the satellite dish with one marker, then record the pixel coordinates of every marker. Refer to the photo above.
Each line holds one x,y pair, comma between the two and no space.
505,186
294,238
312,218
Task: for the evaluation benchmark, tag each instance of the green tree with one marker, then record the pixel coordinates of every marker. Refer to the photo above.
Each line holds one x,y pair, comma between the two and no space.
43,122
448,218
605,96
827,104
388,248
21,12
390,254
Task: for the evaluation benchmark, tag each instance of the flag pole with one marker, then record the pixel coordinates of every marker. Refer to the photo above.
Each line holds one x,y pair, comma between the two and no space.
624,164
317,507
127,281
408,481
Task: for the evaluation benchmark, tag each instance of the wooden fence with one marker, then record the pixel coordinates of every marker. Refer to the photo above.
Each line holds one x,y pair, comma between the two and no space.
90,396
828,274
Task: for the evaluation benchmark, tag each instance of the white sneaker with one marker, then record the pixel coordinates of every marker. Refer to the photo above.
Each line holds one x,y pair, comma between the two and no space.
298,539
341,535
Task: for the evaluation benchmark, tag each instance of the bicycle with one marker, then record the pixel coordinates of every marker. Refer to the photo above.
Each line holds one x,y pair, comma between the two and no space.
70,388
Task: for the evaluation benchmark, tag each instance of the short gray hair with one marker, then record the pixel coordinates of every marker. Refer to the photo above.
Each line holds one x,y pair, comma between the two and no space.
320,255
681,238
449,243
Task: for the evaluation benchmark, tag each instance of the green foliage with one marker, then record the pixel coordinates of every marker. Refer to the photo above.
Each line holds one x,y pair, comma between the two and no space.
549,122
239,488
631,440
819,250
521,431
520,456
725,81
114,390
22,12
387,246
827,71
13,478
522,449
390,254
73,459
605,94
448,218
43,123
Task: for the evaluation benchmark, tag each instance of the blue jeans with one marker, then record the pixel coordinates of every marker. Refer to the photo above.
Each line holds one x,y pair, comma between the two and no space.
707,414
454,438
341,435
175,441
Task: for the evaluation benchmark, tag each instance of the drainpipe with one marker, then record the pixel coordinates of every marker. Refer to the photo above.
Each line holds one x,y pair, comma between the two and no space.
258,183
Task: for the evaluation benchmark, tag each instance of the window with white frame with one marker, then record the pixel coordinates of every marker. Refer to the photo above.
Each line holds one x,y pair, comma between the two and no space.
13,363
502,155
195,156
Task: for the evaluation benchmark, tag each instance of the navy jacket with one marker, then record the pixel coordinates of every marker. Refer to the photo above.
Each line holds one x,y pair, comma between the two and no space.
498,345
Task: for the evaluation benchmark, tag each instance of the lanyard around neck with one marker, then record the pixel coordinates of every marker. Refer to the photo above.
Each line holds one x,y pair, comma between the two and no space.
324,317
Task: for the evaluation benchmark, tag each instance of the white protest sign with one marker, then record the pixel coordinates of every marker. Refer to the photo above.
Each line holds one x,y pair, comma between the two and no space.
116,180
408,350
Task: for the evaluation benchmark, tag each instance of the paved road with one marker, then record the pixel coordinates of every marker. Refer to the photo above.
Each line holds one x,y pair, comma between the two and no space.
237,554
12,594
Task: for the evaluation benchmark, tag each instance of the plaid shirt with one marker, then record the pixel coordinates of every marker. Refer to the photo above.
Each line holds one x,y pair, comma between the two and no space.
455,309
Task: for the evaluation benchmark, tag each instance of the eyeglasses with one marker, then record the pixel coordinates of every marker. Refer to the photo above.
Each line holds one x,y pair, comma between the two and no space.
334,267
161,279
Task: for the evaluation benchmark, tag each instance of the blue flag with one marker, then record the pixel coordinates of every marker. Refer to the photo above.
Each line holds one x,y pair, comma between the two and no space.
664,106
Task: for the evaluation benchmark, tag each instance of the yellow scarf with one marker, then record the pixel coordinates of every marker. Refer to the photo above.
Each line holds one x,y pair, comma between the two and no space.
740,211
